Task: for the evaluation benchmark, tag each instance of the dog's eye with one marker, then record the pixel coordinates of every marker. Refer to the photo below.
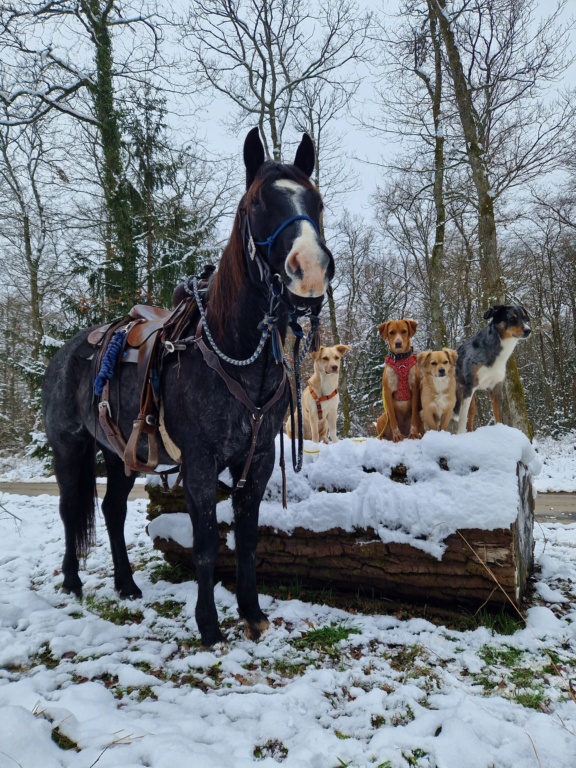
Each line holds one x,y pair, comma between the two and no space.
434,362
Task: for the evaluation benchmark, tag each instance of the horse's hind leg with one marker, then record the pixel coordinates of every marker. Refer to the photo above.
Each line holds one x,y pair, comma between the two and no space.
74,466
114,507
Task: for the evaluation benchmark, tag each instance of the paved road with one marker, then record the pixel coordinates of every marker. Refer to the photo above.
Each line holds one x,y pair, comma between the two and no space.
550,507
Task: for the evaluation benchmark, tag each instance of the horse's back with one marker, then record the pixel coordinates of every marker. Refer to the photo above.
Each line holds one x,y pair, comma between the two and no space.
67,379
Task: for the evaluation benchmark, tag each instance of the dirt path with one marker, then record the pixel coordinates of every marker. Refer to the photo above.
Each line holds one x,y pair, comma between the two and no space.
550,507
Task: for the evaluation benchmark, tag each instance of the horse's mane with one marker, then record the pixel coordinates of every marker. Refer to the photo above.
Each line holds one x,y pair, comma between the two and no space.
230,278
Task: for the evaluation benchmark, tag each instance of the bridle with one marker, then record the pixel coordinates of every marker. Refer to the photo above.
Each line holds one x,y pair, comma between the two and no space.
259,272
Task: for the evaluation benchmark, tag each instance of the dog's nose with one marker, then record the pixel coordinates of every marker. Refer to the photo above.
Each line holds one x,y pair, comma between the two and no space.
441,372
334,369
397,344
527,331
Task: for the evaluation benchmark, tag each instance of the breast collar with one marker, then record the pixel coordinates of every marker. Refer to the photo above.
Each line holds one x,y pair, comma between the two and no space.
402,364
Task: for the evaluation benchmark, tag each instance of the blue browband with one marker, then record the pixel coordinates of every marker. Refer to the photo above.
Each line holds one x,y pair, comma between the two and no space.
270,241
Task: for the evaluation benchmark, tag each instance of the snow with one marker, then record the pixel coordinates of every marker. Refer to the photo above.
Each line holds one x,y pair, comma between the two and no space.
558,471
479,491
397,690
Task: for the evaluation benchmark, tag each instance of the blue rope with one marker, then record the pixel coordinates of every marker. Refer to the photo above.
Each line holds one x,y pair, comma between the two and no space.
270,240
109,361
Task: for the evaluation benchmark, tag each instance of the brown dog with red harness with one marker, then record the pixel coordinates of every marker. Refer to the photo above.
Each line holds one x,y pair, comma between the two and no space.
400,383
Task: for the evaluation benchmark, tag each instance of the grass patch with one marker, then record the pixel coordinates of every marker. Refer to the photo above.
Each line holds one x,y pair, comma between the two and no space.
62,741
114,612
324,638
169,609
505,657
173,574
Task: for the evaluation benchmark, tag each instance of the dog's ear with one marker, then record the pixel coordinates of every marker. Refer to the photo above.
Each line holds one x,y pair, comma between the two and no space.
451,354
316,353
383,330
343,348
412,326
491,311
422,357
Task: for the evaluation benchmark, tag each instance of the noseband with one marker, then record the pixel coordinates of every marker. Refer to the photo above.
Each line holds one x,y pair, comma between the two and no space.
258,267
251,245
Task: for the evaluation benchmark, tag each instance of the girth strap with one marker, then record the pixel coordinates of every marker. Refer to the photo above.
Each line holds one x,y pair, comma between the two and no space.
257,414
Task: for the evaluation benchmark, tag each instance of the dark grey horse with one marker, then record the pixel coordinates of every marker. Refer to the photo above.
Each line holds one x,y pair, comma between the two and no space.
275,251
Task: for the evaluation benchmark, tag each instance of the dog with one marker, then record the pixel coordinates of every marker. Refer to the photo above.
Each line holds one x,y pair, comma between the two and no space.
400,383
320,399
482,361
437,387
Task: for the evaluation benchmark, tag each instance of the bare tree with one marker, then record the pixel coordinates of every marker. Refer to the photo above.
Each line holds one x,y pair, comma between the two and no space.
261,53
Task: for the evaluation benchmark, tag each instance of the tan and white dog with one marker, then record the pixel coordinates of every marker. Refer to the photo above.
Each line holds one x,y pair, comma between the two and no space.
437,387
320,399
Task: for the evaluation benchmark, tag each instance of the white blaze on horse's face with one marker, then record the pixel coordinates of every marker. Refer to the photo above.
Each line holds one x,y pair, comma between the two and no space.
307,261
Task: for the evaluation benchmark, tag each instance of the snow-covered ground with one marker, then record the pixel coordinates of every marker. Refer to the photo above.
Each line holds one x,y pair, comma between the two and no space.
111,683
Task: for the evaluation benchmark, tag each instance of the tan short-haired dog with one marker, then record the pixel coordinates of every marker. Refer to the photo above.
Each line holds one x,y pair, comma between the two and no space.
437,387
400,383
320,399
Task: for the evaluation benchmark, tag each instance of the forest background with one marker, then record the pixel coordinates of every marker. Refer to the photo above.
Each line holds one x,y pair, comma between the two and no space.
445,139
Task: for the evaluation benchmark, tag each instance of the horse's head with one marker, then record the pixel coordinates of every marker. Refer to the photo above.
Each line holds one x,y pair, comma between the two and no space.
283,210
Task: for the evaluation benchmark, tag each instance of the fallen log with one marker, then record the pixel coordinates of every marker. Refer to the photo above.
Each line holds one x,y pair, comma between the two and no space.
476,566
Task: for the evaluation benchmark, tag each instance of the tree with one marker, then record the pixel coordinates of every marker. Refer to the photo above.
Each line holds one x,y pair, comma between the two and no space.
261,54
509,63
79,82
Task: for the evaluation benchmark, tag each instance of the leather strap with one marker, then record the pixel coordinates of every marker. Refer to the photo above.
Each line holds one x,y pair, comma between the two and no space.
320,400
257,414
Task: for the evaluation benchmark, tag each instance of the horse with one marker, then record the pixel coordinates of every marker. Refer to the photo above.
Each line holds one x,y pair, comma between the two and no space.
275,258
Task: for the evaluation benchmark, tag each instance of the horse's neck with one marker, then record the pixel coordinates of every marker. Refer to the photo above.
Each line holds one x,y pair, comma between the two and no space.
240,338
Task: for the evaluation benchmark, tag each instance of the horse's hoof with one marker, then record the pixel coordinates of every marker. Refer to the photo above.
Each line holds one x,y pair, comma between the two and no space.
208,641
130,592
73,589
254,630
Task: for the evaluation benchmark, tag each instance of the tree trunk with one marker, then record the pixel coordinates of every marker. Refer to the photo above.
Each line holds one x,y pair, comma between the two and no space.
493,289
478,567
121,271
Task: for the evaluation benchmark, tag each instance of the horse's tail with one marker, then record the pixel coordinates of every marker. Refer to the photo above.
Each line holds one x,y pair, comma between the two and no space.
84,519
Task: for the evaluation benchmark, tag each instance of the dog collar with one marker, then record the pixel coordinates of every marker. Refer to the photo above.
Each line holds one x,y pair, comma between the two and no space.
400,355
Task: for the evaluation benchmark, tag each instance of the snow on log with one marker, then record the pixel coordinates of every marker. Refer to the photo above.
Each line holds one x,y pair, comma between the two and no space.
447,519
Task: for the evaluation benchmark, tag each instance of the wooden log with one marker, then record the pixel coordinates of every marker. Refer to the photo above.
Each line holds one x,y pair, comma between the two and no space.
477,567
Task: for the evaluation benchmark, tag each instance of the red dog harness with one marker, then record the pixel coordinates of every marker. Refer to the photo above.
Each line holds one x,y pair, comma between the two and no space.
320,400
402,365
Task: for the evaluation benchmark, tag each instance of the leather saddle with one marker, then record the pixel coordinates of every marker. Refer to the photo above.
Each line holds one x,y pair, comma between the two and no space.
150,333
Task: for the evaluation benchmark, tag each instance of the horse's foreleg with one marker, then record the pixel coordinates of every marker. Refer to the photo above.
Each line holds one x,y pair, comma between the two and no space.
114,508
246,508
200,491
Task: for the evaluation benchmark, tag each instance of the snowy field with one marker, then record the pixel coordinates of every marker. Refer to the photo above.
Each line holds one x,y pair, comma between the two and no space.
125,684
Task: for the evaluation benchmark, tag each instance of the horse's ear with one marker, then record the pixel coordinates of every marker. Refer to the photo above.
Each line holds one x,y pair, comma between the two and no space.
305,155
254,155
